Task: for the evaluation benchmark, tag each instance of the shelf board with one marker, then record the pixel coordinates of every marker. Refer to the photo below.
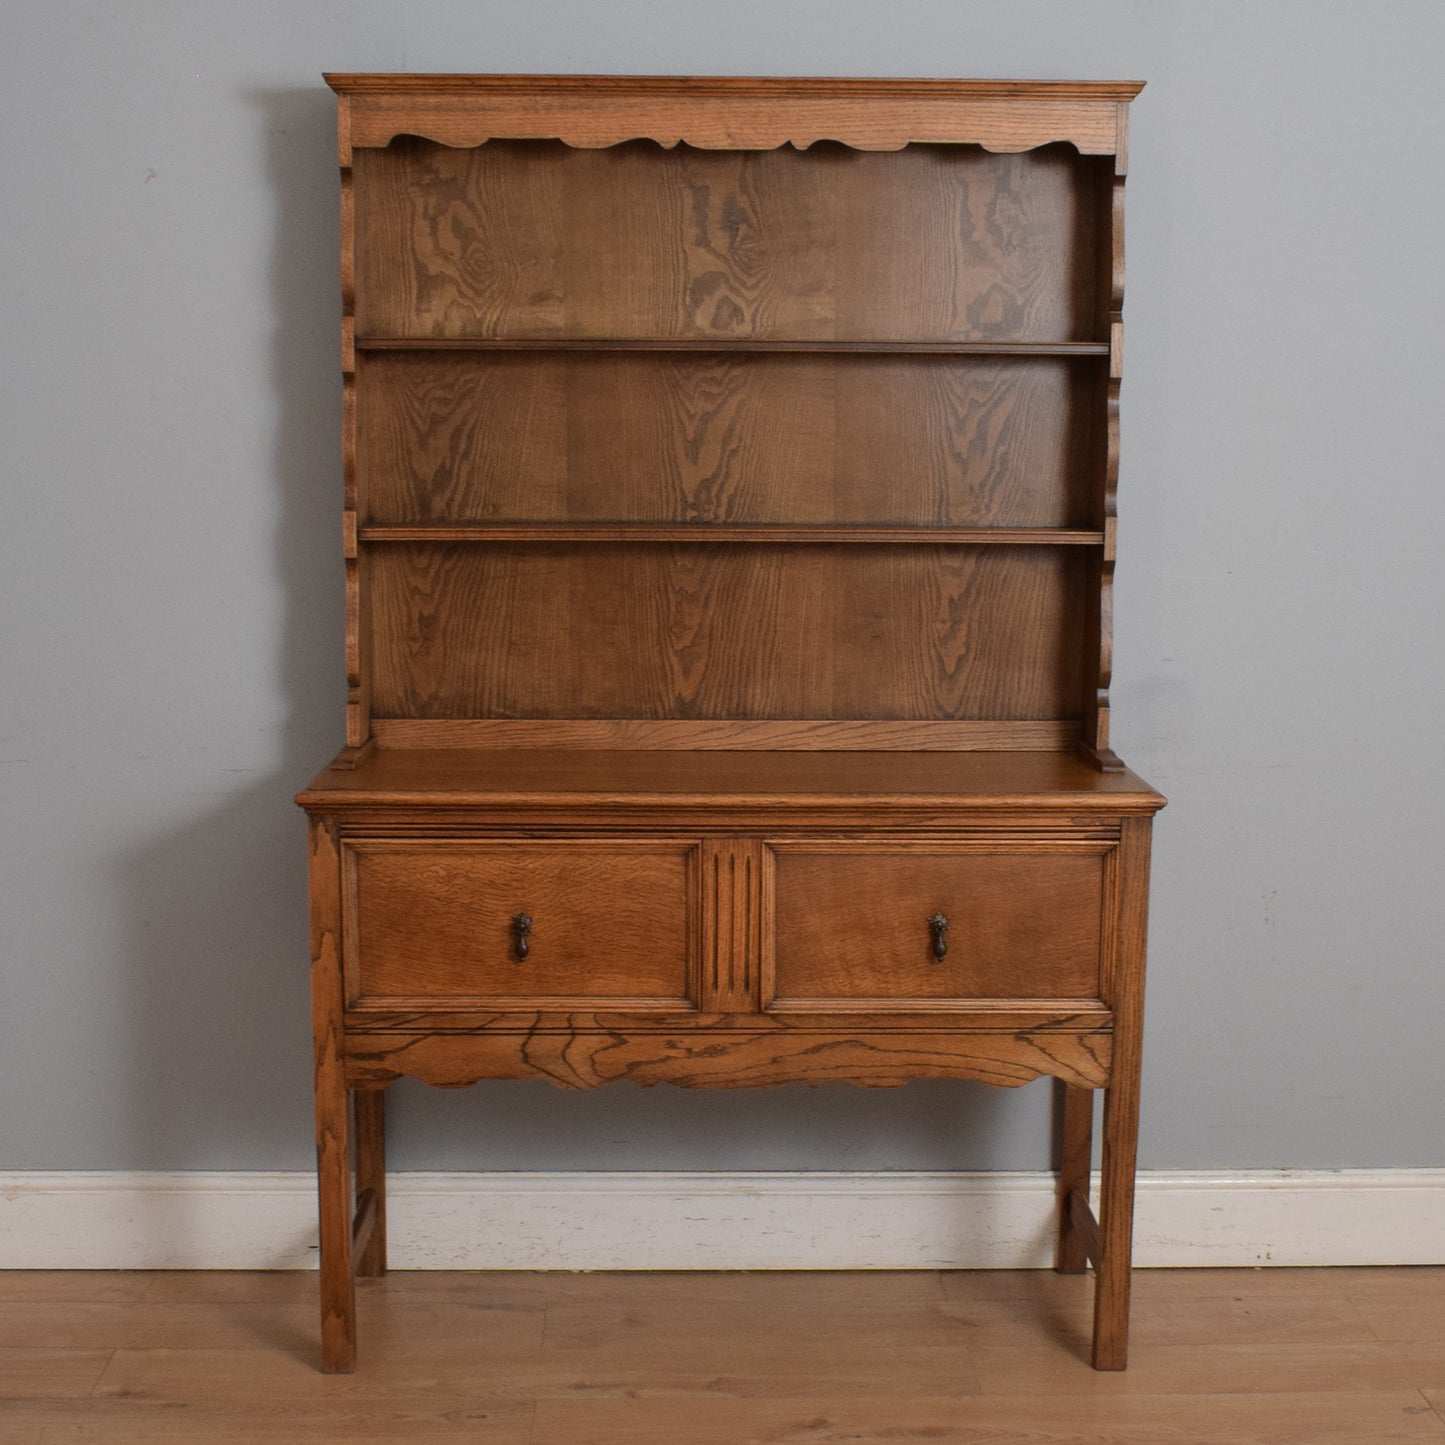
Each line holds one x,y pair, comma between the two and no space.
733,344
727,532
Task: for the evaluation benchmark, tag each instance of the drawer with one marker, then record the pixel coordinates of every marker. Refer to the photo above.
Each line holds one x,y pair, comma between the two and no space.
856,922
610,922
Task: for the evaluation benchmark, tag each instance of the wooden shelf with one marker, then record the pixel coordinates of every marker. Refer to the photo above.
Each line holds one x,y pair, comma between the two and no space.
478,775
712,532
732,344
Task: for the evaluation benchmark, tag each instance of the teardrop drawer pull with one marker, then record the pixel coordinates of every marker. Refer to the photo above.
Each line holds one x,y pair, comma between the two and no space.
938,926
521,927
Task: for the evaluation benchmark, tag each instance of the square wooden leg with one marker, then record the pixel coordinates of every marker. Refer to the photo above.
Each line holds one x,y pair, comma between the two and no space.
1116,1228
338,1289
1114,1256
333,1132
370,1120
1075,1122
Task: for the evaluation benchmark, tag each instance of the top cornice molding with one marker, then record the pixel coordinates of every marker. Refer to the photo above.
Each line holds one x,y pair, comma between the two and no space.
733,112
840,87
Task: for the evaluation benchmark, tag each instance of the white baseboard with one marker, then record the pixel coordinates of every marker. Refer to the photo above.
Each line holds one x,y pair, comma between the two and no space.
717,1221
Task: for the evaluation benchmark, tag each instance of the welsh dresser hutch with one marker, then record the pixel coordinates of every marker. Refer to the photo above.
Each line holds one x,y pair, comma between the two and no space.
729,535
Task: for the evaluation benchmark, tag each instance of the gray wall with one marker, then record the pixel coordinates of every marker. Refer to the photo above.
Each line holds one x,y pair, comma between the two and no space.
171,667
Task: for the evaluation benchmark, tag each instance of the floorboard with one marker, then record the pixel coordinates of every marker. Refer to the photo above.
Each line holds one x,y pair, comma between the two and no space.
1219,1357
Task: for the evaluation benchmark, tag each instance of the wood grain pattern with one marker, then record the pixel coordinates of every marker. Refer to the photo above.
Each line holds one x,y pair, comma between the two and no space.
736,899
1248,1357
358,681
917,442
1055,791
1121,1098
1099,636
853,91
933,243
1074,1117
732,112
730,735
545,1016
1083,1227
369,1122
333,1164
852,921
1063,1417
734,534
725,346
734,1060
714,632
610,920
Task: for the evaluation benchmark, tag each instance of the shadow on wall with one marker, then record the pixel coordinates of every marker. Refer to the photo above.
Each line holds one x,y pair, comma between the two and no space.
218,947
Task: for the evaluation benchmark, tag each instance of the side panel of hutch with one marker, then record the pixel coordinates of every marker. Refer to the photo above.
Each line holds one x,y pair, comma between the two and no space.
729,531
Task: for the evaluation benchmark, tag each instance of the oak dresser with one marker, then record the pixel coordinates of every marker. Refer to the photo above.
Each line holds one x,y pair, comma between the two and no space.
729,536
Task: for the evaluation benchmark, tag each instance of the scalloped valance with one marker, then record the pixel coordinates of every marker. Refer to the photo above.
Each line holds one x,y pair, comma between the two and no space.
724,113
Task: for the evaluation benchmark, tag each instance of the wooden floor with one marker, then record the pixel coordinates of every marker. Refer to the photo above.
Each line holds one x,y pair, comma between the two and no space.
1247,1357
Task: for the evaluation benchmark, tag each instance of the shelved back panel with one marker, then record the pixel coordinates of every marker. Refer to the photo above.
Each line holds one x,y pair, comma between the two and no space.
536,239
716,631
713,437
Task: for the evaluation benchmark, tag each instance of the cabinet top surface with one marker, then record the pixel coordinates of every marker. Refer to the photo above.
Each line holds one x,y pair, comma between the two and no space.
469,777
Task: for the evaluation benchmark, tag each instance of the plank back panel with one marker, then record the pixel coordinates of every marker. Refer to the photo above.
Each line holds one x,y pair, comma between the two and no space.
712,631
637,437
934,242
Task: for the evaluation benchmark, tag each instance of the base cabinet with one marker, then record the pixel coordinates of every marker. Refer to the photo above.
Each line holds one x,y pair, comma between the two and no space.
450,951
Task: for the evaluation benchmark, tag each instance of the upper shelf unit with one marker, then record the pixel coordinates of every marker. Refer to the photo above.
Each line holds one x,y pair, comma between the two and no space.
703,404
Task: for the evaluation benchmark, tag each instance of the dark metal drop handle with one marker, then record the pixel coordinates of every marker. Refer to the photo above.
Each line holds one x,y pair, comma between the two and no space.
521,927
938,927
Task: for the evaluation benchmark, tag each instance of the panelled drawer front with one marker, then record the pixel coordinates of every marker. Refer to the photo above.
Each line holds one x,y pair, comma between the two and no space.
610,922
856,922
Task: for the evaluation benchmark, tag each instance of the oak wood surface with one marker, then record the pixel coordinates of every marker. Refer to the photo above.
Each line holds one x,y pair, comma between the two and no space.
732,112
733,1059
853,922
940,243
850,89
723,346
917,442
740,534
609,920
333,1165
1074,1110
1056,783
562,735
706,631
369,1122
1124,993
737,896
543,1016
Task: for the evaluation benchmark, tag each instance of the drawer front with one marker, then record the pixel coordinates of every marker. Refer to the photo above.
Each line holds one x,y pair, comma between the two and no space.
436,920
865,924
